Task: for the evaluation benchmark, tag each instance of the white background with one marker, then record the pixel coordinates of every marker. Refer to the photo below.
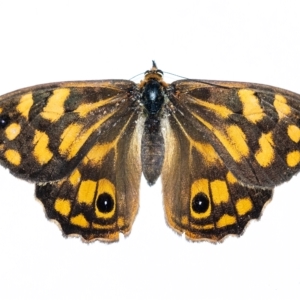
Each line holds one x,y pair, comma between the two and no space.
45,41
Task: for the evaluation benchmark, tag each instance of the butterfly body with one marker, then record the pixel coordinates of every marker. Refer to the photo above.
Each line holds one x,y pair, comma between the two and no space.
152,148
220,148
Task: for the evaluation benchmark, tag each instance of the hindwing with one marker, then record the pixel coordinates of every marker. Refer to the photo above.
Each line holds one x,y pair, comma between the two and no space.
100,197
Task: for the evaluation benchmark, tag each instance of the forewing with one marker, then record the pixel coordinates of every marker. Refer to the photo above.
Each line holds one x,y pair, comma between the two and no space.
254,129
46,130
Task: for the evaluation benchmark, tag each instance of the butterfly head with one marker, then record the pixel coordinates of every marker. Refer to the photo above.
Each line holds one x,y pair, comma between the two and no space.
153,74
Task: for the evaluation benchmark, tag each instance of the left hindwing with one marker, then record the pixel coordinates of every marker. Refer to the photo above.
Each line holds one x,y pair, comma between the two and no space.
99,199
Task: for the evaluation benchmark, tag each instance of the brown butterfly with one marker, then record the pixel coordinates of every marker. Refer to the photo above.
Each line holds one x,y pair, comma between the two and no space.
220,147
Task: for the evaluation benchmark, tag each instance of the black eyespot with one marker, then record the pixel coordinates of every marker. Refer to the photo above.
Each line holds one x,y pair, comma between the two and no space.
105,203
4,121
200,203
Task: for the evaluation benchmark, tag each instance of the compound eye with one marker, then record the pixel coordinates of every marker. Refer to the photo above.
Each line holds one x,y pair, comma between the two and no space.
160,72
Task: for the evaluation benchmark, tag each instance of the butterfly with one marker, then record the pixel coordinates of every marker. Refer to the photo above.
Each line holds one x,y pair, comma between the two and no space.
219,147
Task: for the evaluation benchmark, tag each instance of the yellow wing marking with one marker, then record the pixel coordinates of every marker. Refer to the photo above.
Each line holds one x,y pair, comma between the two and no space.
234,141
226,220
252,110
202,227
74,136
13,157
265,155
281,107
12,131
96,154
68,137
101,226
75,177
221,110
55,105
80,221
293,158
41,151
219,191
237,139
231,178
121,222
294,133
185,220
207,150
87,191
86,108
24,105
243,206
63,206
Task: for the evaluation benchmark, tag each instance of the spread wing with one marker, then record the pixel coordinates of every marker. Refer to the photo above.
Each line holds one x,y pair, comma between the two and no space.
232,144
76,141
